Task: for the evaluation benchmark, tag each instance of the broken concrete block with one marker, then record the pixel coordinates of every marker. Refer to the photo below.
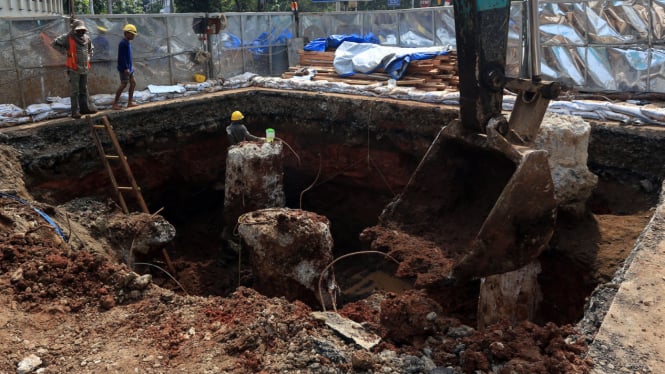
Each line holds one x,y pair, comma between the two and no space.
349,329
288,249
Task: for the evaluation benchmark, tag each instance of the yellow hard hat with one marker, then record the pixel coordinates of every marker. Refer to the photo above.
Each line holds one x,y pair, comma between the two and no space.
236,116
130,29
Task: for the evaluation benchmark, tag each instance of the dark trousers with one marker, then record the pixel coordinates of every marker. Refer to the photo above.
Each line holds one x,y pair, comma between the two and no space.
78,85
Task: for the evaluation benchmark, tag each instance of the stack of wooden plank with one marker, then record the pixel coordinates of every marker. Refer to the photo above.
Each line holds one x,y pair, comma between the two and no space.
439,73
436,74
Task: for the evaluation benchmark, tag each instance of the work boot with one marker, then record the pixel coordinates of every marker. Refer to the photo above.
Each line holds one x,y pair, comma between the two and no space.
75,109
92,108
86,106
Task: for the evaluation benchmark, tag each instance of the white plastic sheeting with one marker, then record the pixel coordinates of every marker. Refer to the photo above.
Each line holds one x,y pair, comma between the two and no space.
366,58
57,107
628,113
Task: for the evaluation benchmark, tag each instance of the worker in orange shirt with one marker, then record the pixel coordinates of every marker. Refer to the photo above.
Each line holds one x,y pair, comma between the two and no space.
294,8
78,48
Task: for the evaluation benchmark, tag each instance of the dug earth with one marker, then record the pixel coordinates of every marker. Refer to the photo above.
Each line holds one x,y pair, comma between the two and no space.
69,303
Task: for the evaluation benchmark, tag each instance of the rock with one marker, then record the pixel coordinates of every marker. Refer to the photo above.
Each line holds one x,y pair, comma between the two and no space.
362,360
17,275
142,232
29,364
107,302
126,280
460,331
647,185
141,282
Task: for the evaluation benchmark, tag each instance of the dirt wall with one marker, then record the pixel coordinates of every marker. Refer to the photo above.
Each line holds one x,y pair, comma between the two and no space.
185,139
357,140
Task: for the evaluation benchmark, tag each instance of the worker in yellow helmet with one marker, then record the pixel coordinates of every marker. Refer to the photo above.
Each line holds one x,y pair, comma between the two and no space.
101,43
78,48
237,131
125,67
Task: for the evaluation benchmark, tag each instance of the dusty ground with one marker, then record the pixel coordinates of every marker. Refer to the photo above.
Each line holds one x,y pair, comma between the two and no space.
76,308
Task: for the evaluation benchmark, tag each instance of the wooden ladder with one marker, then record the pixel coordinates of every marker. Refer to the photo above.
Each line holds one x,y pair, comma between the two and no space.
120,156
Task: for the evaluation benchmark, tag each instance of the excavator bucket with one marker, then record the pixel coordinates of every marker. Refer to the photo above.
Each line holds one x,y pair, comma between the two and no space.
480,193
489,205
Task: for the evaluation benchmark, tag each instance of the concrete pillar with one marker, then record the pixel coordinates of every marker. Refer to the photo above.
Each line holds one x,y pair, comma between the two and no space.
566,139
511,297
254,180
288,250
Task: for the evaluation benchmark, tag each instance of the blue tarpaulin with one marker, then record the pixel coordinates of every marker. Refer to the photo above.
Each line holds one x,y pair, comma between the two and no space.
262,42
334,41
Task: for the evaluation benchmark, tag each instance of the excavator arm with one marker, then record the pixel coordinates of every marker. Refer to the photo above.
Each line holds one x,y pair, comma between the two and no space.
481,193
481,30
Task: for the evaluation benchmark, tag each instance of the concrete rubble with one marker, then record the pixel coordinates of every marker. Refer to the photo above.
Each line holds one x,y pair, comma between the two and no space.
349,329
289,250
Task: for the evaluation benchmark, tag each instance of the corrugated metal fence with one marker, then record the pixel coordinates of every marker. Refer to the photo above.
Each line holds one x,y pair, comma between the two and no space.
590,45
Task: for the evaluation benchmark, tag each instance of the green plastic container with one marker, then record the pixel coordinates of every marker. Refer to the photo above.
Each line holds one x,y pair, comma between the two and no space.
270,135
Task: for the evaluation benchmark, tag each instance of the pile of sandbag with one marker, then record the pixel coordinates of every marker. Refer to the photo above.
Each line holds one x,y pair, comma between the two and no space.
56,107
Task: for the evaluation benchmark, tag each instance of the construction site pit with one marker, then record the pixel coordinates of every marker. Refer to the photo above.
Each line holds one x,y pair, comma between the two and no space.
345,158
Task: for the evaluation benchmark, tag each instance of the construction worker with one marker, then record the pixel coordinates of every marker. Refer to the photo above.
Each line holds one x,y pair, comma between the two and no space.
294,9
125,67
78,48
237,131
101,44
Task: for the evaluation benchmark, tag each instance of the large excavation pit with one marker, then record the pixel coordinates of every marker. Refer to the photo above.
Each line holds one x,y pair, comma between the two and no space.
346,158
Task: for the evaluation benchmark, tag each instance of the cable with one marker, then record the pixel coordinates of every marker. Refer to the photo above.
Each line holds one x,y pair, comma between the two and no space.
48,219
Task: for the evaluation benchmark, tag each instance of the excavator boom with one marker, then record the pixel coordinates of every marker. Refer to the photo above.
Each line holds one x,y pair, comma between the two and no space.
481,31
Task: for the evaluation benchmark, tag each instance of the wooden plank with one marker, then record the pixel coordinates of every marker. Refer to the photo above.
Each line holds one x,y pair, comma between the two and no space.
304,52
443,76
435,84
421,63
422,71
344,80
431,89
409,82
315,58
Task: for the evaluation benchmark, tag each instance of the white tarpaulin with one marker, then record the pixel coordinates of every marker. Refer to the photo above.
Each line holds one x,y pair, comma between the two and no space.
351,58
